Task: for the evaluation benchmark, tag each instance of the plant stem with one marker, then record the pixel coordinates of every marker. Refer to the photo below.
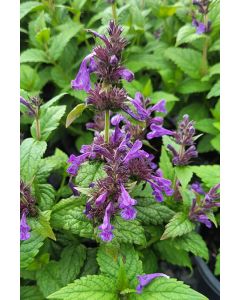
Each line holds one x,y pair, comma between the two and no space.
107,126
205,49
114,12
38,128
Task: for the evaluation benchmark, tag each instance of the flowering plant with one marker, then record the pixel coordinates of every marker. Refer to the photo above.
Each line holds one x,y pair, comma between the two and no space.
98,223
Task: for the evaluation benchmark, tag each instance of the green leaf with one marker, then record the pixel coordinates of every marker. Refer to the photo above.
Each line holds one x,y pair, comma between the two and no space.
54,100
210,175
72,260
29,6
156,96
196,111
68,214
187,34
59,42
166,164
33,55
178,225
43,36
188,60
90,172
49,121
92,287
149,261
137,62
42,226
45,195
110,258
206,125
29,79
171,254
30,292
167,10
217,266
29,249
190,86
163,288
192,242
149,211
49,278
91,266
128,231
184,174
213,70
215,91
31,152
204,144
216,142
75,113
61,77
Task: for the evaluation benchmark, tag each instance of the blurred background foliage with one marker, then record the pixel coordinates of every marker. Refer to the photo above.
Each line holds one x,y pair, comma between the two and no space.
164,52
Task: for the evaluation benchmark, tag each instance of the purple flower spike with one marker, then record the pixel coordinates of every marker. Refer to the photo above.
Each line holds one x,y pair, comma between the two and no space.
76,161
24,228
125,74
82,80
113,60
125,200
158,131
101,199
204,219
135,152
117,119
146,279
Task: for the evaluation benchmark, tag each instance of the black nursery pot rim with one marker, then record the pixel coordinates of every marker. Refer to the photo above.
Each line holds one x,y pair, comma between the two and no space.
212,282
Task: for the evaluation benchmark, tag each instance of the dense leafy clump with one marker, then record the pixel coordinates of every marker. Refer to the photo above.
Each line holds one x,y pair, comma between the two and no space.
119,147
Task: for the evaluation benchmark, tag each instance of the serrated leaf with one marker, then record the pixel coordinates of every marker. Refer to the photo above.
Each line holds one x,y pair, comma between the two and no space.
41,225
75,113
27,7
192,242
171,254
206,125
59,42
90,172
91,266
68,214
33,55
196,111
128,231
188,60
215,90
92,287
30,80
110,258
156,96
163,288
190,86
137,62
72,260
204,144
49,121
209,174
29,249
149,261
31,152
187,34
178,225
149,211
166,165
30,292
49,278
184,174
45,195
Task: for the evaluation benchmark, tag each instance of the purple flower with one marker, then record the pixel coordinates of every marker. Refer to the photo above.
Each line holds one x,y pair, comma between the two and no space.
24,228
200,27
146,279
101,199
196,187
125,200
73,188
160,107
82,80
76,161
125,74
204,219
135,152
158,131
106,228
128,213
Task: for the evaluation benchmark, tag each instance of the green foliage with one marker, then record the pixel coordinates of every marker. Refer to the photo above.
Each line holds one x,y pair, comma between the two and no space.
162,288
30,293
210,175
184,174
89,172
92,287
217,265
177,226
75,113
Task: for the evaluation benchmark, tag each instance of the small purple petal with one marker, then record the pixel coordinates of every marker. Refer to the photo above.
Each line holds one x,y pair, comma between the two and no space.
158,131
101,199
125,74
196,187
146,279
24,228
160,107
128,213
125,200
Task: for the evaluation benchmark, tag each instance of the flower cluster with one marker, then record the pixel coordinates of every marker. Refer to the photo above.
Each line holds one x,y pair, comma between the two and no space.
124,163
201,207
184,136
27,206
201,27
